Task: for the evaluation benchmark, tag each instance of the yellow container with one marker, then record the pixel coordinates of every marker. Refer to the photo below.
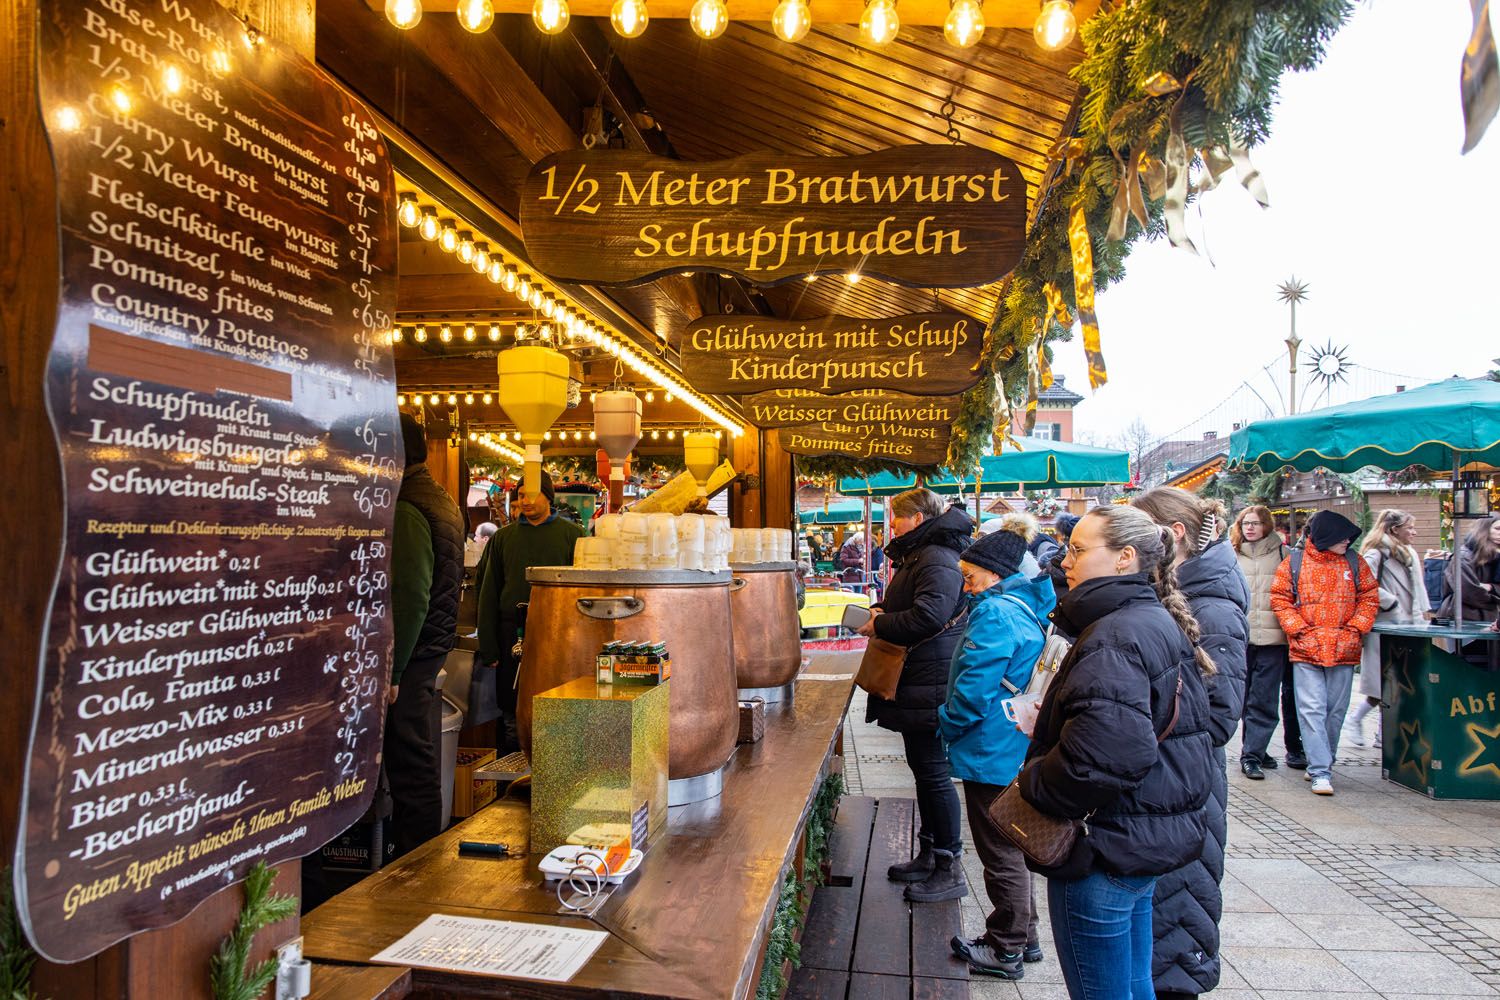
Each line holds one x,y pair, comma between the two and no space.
533,393
700,452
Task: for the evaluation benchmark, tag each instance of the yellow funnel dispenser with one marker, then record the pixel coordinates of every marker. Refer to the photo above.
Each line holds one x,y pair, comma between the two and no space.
700,453
533,393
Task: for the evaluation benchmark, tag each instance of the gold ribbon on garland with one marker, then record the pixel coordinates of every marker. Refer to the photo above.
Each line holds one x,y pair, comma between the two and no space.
1083,293
1038,368
1177,164
1479,86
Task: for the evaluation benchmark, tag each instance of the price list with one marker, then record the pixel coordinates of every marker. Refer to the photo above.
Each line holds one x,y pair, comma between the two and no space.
223,397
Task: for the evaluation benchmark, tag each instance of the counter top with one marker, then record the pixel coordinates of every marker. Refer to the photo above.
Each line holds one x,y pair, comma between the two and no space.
692,922
1470,632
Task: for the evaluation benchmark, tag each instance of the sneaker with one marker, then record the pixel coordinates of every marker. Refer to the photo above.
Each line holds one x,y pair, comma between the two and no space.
1379,732
1033,953
1250,767
1354,734
946,881
1306,776
1268,762
984,959
1322,786
1296,761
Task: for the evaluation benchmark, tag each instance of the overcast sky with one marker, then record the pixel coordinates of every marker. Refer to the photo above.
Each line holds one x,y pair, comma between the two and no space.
1371,204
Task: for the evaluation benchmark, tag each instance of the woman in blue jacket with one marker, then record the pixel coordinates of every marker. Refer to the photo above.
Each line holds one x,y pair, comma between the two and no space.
994,660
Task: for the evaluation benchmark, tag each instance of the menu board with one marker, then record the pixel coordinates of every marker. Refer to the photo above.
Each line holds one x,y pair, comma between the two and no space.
914,445
887,411
223,398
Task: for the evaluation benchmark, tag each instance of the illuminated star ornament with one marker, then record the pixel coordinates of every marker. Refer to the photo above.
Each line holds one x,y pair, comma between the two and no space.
1416,751
1488,754
1293,291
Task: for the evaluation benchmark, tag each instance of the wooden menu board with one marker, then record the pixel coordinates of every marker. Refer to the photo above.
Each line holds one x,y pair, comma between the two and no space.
782,408
927,216
912,445
220,384
928,354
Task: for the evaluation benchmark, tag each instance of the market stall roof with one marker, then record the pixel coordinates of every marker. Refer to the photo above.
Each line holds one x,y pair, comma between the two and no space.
1036,465
1433,426
842,512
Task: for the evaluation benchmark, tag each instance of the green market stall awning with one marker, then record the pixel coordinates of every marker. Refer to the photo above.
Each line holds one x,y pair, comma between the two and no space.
1433,426
1036,465
841,512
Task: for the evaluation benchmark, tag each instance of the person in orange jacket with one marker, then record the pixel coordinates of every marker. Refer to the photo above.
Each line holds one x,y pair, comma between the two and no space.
1326,599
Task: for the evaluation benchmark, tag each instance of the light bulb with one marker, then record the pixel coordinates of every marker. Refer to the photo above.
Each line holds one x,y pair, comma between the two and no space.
880,23
523,288
1055,25
68,118
521,331
549,305
578,435
656,435
546,435
537,297
469,334
408,214
120,98
481,257
488,398
593,436
629,17
465,246
476,15
396,335
473,436
446,333
853,277
709,18
494,335
452,399
433,399
448,237
420,336
550,16
671,435
508,278
791,20
404,14
468,397
400,399
497,271
429,225
964,24
650,397
171,79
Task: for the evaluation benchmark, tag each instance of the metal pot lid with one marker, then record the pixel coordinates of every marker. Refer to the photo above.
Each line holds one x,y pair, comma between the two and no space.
763,567
627,577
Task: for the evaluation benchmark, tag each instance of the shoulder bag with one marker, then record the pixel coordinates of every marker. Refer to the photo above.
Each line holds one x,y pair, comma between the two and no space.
880,667
1048,840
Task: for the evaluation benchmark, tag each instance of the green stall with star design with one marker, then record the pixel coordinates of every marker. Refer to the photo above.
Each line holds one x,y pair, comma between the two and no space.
1441,711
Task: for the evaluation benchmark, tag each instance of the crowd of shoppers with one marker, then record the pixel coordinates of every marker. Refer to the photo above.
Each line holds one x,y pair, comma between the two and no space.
1185,626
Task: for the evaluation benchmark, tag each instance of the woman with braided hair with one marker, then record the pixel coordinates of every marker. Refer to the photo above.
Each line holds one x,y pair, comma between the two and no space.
1189,903
1121,742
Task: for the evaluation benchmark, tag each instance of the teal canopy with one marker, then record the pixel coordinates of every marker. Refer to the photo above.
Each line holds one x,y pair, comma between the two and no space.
1036,465
1434,425
842,512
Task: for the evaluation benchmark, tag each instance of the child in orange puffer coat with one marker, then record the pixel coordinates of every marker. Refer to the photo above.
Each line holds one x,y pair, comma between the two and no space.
1325,614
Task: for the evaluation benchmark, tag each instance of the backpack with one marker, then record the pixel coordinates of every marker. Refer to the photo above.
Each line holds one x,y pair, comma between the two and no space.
1054,651
1354,559
1435,579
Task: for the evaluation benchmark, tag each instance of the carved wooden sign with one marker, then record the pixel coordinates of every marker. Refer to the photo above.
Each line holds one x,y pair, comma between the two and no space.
870,406
929,354
928,216
212,690
900,443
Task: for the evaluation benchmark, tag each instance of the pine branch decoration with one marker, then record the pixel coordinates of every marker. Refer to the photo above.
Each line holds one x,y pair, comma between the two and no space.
16,954
230,974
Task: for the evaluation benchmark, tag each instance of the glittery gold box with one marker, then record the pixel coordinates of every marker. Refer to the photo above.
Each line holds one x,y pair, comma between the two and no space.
598,763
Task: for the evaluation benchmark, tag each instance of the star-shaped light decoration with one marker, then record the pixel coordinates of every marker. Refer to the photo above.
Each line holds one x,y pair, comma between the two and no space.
1293,291
1488,754
1330,365
1416,751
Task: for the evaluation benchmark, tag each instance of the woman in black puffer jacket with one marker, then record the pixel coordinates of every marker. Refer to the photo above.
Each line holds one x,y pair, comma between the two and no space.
1122,743
922,610
1189,902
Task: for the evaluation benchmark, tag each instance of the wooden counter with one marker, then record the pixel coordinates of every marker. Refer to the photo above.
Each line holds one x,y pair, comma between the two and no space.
692,922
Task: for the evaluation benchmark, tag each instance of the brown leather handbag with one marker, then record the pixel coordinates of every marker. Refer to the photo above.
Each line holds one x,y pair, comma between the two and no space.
1048,840
880,668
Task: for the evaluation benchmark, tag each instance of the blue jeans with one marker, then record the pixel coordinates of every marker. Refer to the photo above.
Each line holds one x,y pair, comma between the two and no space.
1322,700
1101,925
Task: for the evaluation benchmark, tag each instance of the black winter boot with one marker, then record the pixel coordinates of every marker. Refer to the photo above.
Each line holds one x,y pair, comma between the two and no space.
918,867
945,882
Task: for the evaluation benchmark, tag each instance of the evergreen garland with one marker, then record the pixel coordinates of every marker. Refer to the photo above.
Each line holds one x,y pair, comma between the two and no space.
1231,55
16,955
791,905
229,971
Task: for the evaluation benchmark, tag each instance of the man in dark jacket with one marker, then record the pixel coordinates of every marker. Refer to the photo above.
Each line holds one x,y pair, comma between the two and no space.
427,567
922,610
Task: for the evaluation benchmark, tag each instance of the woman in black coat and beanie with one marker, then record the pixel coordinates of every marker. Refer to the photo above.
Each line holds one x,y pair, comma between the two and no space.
1189,903
923,611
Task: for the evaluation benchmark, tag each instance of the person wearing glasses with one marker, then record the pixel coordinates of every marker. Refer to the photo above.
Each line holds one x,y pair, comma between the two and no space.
1268,666
1122,744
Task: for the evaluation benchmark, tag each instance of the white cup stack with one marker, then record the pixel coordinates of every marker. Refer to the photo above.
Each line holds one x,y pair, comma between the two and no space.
594,552
691,552
662,545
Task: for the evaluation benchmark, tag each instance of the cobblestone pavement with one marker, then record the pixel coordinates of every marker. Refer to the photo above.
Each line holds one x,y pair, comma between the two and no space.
1375,892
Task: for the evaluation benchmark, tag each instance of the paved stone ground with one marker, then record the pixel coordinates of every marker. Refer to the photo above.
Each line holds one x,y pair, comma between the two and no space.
1375,892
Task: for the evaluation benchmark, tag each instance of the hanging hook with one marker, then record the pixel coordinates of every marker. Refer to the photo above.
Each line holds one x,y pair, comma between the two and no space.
948,110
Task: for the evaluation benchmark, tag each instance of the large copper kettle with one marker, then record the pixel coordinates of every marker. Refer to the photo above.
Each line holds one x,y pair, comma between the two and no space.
575,611
767,634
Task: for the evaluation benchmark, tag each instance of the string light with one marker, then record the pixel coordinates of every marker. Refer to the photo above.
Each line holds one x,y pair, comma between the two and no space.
171,79
428,227
853,277
448,236
481,257
466,246
396,335
629,17
433,399
469,398
523,288
446,333
709,18
400,399
537,297
550,16
549,305
494,334
791,20
409,214
650,397
476,15
404,14
656,435
470,333
508,278
671,435
488,398
1055,25
496,270
452,399
420,335
880,23
964,24
68,118
120,98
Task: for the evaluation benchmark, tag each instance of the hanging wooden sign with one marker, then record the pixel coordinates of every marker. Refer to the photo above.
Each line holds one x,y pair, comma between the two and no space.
928,216
929,354
870,406
912,445
213,683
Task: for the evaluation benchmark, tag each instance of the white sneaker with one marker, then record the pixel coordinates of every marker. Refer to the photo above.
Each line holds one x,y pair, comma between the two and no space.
1322,786
1354,734
1379,732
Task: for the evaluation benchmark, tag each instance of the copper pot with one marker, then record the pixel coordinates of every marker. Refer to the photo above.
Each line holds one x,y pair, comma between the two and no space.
575,611
767,634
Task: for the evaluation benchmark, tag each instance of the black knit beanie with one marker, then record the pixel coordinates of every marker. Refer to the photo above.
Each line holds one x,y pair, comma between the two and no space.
1000,552
1327,529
